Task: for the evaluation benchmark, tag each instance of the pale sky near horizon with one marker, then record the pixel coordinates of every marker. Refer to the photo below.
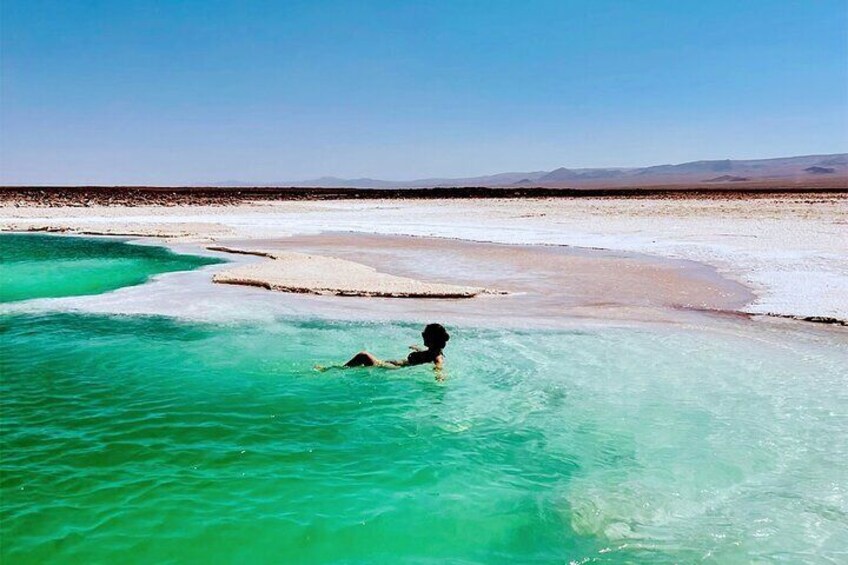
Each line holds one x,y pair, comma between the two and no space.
113,92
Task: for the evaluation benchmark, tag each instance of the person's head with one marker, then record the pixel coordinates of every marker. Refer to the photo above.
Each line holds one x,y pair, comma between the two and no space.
435,336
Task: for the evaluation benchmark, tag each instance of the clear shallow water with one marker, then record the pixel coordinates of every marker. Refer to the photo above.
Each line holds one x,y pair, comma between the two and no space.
40,266
167,441
149,439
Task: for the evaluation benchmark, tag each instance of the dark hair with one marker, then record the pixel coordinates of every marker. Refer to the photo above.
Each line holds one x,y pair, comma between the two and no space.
435,336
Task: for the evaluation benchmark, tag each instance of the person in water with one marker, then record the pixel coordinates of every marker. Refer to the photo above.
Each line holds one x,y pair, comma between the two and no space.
435,340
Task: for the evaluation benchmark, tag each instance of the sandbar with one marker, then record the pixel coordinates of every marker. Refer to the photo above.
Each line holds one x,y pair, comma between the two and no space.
289,271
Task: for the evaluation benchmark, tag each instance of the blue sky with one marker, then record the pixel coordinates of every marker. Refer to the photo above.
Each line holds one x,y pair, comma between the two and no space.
133,92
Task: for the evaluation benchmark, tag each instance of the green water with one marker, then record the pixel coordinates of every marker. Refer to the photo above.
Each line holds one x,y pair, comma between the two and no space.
40,266
148,439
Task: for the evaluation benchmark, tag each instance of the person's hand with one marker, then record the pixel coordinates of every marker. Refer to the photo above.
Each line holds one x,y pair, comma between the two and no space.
415,348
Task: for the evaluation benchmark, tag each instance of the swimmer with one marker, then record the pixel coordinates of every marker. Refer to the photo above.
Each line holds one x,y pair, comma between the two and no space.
435,339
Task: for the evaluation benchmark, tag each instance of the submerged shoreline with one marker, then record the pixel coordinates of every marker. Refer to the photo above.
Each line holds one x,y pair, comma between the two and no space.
194,295
348,275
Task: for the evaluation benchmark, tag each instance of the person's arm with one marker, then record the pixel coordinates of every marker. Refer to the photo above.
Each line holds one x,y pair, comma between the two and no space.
438,368
416,348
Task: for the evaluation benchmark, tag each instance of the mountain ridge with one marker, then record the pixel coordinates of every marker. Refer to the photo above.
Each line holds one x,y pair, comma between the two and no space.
702,171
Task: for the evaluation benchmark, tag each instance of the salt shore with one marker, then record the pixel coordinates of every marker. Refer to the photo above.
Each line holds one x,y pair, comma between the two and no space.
288,271
790,250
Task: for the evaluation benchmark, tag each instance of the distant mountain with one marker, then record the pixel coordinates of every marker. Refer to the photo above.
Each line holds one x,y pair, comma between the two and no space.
728,178
716,171
564,175
816,170
500,179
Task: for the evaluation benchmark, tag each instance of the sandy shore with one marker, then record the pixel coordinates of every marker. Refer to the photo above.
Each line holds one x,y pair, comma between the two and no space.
790,250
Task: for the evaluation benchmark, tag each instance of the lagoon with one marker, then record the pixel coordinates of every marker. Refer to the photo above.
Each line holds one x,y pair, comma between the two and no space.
162,439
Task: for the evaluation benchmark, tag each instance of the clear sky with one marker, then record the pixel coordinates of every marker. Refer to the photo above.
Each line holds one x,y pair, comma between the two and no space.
193,91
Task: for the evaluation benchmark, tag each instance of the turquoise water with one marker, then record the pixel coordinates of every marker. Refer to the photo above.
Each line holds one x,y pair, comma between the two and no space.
150,439
40,266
